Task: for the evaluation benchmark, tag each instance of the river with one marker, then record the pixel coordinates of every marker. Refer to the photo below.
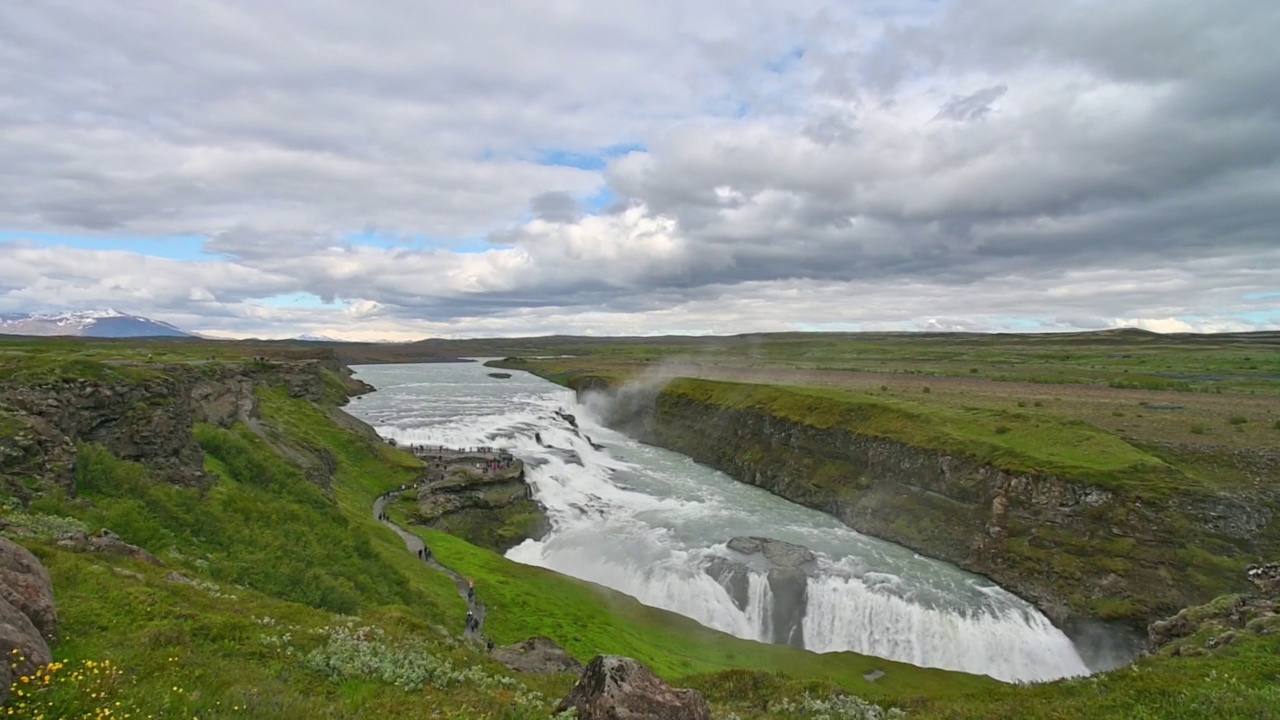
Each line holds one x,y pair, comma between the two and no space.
653,524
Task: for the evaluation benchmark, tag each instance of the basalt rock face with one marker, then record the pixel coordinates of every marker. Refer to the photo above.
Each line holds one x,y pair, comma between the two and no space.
1079,552
619,688
785,567
488,506
28,616
144,415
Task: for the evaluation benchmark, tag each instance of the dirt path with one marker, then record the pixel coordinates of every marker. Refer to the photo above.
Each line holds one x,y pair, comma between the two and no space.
415,545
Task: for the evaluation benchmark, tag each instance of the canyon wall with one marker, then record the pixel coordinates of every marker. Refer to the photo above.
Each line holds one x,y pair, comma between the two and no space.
1081,552
144,413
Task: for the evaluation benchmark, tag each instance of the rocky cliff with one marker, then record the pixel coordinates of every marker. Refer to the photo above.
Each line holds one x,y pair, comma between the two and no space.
141,412
485,502
1080,551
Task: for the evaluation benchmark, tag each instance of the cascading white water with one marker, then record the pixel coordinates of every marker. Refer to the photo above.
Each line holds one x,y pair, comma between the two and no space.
653,524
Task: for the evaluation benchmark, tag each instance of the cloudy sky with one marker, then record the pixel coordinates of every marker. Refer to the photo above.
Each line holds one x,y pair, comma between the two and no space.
397,169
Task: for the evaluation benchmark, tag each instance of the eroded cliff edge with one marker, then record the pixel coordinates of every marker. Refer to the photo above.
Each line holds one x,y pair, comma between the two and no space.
1130,548
146,412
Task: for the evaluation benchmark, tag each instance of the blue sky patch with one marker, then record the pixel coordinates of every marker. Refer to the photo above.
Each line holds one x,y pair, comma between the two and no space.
590,160
171,247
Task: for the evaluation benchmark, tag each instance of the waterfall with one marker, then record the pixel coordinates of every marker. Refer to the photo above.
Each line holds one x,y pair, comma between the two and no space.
654,525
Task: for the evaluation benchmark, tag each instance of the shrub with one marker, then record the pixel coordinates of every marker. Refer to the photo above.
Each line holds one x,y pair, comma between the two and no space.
836,707
1198,429
926,389
1038,404
1237,420
1022,403
1002,429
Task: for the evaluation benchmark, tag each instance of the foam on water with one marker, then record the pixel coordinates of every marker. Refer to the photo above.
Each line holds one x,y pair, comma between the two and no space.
650,523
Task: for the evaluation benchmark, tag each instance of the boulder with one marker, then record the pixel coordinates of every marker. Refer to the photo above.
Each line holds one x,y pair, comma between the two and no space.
537,655
500,376
25,584
27,614
620,688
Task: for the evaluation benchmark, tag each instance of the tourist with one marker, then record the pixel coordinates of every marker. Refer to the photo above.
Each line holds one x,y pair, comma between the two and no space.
471,589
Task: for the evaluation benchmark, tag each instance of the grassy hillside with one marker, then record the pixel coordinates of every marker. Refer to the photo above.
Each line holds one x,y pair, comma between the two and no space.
290,601
283,598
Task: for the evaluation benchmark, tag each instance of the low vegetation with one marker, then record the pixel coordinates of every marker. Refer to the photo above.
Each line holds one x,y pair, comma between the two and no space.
281,597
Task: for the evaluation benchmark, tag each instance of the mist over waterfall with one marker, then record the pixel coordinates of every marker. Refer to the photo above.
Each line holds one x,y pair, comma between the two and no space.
679,536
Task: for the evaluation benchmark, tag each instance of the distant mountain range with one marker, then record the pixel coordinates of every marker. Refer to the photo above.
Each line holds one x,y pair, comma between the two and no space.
89,323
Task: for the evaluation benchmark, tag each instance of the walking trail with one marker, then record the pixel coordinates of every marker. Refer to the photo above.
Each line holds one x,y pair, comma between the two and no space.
416,546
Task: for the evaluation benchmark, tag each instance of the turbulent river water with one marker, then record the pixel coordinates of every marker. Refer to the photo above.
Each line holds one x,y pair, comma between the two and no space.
654,524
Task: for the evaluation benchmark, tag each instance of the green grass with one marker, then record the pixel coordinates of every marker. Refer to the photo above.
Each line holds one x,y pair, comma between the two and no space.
1118,359
1236,681
202,650
262,525
1012,441
281,561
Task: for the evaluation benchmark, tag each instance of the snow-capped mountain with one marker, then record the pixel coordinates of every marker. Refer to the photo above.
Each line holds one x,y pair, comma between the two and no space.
311,337
89,323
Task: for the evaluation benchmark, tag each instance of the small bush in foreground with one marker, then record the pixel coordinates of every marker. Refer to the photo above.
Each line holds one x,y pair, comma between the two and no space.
836,707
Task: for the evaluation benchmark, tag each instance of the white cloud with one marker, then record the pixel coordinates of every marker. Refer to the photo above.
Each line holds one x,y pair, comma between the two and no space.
905,165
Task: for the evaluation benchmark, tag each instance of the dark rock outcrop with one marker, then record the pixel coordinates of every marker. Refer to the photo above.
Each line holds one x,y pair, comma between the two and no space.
500,375
28,616
1203,628
489,506
620,688
143,413
780,554
786,566
537,655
